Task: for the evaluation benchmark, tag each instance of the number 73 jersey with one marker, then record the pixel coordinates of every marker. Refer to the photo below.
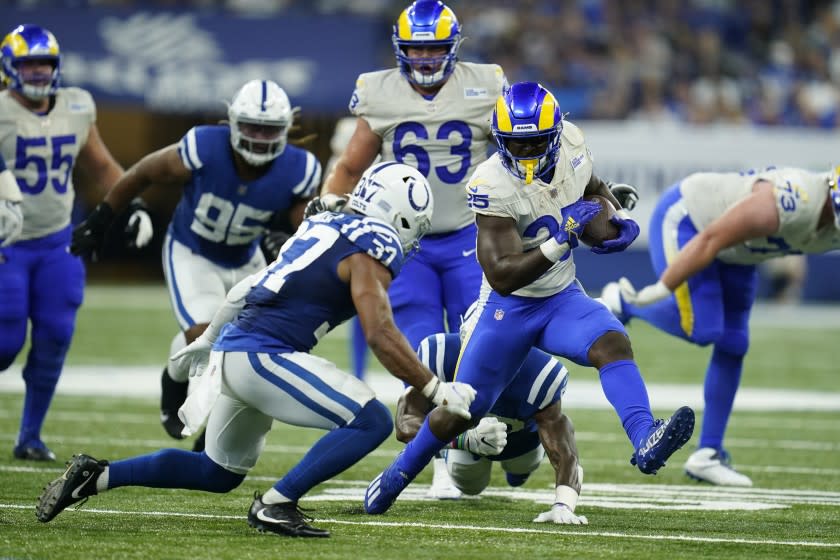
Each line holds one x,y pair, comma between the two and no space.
444,137
41,151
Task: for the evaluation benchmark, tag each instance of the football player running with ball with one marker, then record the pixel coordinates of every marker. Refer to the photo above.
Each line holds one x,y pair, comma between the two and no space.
529,211
260,370
707,234
238,179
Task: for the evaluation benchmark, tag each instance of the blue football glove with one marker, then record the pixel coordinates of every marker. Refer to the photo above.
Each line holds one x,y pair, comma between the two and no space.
575,218
628,231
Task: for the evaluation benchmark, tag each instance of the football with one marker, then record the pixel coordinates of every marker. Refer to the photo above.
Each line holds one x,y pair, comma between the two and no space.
600,229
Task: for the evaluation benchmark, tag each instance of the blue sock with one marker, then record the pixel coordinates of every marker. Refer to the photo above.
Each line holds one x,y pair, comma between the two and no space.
173,468
722,379
359,348
624,387
419,451
338,450
40,375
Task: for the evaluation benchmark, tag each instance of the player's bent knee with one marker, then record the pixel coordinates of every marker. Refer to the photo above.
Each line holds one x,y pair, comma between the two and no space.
374,418
217,478
735,343
610,347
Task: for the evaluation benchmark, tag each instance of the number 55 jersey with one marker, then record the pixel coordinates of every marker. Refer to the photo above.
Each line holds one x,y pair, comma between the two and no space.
41,151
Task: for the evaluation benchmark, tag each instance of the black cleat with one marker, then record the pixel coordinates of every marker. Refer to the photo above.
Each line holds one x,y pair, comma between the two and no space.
33,453
285,519
76,484
172,396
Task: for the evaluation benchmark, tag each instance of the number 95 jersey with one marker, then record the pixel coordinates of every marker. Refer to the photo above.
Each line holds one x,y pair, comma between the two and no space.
41,151
444,137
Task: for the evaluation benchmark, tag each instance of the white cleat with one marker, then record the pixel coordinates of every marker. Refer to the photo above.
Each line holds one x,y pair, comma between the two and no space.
705,465
442,486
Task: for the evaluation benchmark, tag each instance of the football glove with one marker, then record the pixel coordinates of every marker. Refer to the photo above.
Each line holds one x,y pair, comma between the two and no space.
626,195
192,359
139,230
628,231
89,236
646,296
455,397
575,218
562,515
328,202
271,243
488,438
11,222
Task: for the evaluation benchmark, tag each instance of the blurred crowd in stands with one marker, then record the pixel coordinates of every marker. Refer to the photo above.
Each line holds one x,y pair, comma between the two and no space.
768,62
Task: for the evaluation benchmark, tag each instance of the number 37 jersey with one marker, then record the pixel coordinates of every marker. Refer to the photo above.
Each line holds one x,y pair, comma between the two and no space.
220,216
444,137
41,151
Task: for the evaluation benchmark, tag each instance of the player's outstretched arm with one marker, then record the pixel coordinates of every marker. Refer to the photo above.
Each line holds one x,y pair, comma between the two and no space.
96,164
360,153
369,281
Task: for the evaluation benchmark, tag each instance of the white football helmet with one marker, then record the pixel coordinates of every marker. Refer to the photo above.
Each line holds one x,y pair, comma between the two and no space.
260,116
400,196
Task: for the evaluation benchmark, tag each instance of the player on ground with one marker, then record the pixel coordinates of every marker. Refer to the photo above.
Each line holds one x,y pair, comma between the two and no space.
529,211
707,234
432,112
238,179
529,408
261,369
46,133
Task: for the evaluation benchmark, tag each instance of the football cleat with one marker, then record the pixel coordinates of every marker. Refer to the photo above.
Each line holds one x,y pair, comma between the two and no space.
611,299
442,488
712,465
664,438
384,489
516,479
76,484
285,519
36,451
172,396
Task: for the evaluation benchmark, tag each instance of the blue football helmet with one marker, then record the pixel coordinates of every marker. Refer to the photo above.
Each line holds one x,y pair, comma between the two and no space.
527,125
427,23
30,42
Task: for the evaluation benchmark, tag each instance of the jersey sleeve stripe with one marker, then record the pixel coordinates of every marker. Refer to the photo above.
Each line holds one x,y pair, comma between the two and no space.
188,150
557,387
312,177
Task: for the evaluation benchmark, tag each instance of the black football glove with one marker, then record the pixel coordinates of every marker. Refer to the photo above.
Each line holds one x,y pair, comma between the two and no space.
89,236
627,195
271,243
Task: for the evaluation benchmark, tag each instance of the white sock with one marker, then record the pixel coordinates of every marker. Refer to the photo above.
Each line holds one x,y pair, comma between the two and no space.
102,481
274,497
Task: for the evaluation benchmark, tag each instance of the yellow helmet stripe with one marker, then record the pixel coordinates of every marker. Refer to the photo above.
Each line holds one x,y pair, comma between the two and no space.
547,111
444,26
17,43
502,116
403,27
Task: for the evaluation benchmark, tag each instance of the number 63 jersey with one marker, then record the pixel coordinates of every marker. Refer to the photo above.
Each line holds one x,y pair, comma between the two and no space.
41,151
444,137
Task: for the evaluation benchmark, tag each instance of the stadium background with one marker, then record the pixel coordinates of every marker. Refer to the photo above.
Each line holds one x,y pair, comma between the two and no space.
661,87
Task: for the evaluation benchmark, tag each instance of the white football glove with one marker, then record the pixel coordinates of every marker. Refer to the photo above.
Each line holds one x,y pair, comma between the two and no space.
193,358
562,515
11,221
328,202
140,225
646,296
488,438
453,396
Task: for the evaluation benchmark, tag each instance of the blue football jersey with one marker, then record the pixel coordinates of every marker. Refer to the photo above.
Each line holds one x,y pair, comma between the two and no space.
540,381
299,297
220,216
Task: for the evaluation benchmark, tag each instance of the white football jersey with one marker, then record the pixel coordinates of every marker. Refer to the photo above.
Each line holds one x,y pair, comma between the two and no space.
800,196
445,137
494,191
41,151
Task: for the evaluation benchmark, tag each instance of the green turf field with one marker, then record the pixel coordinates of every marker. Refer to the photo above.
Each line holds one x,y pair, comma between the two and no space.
793,457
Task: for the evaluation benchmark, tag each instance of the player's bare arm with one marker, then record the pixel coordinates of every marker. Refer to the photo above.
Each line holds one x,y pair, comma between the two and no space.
557,435
499,250
360,153
753,217
163,167
598,186
97,165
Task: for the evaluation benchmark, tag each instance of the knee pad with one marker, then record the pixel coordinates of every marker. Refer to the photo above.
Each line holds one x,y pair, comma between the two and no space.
217,478
734,342
469,473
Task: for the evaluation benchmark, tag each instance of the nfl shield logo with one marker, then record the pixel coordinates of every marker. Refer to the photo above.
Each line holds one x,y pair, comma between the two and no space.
498,315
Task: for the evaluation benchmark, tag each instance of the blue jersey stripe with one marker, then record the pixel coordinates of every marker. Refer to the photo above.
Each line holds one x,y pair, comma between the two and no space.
264,95
319,384
176,293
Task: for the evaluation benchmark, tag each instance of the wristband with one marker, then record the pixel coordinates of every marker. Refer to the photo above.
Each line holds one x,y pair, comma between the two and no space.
552,250
567,496
623,214
431,388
